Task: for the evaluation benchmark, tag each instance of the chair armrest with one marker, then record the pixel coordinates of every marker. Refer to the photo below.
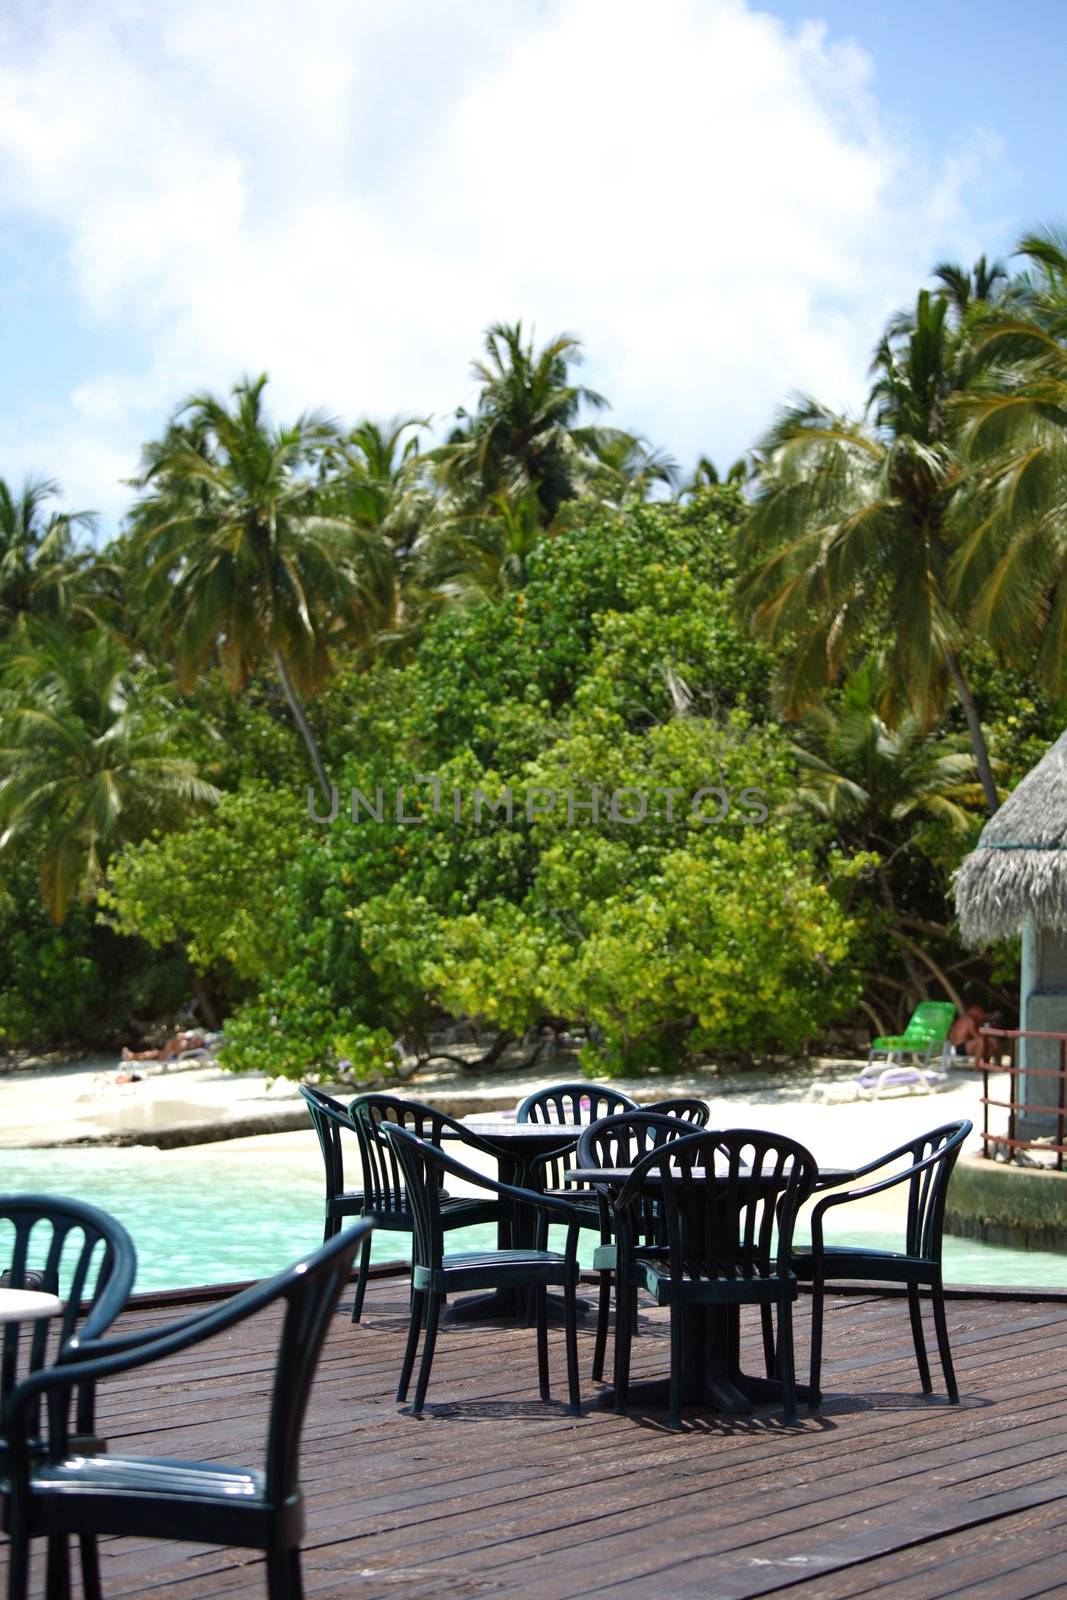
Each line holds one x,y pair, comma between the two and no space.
84,1347
86,1361
631,1190
531,1164
563,1209
880,1161
872,1188
475,1140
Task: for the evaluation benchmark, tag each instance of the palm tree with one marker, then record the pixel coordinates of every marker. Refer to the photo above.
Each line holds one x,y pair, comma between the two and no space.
377,479
41,572
965,290
706,474
630,468
240,554
1011,568
85,762
897,790
891,788
524,433
849,526
484,554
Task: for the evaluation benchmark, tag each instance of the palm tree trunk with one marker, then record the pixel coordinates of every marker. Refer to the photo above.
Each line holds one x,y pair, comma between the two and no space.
914,975
974,726
300,718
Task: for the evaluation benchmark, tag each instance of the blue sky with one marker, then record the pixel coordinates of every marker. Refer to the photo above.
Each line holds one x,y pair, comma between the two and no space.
944,66
724,200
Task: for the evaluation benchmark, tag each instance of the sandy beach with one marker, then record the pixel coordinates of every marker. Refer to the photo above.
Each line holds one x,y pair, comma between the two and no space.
200,1113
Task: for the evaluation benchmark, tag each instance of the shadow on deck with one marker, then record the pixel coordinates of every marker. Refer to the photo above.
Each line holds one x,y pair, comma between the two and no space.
885,1493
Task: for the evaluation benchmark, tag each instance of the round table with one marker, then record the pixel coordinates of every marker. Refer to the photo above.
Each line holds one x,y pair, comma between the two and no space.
711,1334
516,1146
28,1305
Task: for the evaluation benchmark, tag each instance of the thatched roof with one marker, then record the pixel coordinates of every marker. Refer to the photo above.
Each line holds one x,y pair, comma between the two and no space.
1019,869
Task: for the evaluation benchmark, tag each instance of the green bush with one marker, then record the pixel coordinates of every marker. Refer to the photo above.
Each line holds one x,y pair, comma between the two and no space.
677,936
75,984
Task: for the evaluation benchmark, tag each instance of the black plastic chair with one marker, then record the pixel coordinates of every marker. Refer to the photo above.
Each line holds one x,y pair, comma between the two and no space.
695,1111
620,1141
435,1274
580,1104
577,1103
331,1122
385,1198
205,1502
85,1256
932,1158
729,1202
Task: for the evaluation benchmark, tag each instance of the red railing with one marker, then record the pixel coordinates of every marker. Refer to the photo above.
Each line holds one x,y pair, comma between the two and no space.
990,1060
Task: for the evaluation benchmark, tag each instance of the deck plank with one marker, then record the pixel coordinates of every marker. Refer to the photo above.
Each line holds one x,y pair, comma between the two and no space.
492,1494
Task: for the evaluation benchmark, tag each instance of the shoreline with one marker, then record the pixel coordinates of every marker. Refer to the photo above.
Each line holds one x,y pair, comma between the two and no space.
193,1105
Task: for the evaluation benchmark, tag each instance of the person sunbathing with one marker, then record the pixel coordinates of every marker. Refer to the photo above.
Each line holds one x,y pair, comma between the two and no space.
193,1039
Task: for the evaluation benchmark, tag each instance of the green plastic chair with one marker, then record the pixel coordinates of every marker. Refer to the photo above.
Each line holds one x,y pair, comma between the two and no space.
922,1040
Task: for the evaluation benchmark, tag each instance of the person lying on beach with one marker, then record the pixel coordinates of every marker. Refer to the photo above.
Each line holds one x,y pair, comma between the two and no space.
194,1039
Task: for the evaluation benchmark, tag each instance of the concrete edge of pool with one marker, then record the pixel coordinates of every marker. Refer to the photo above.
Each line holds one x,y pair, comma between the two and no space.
159,1299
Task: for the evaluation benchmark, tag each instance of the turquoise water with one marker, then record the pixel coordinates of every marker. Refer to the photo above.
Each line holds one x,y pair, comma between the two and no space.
211,1216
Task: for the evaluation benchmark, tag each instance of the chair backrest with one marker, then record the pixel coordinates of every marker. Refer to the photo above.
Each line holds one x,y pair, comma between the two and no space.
311,1290
729,1200
697,1112
422,1167
622,1140
928,1187
331,1122
69,1249
578,1103
930,1022
383,1183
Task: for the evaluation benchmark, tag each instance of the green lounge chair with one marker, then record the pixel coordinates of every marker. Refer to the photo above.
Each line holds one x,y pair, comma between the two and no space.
923,1041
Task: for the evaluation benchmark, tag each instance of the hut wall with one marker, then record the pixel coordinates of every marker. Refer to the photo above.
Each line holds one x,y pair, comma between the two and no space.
1043,1006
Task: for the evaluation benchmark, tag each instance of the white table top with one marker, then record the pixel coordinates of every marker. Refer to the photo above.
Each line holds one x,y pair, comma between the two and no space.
27,1305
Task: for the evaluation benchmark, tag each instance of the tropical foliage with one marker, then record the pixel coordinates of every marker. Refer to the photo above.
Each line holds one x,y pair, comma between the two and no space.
678,762
87,761
851,519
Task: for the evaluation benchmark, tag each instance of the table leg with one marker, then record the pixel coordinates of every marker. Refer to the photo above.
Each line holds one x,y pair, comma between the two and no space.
708,1372
711,1370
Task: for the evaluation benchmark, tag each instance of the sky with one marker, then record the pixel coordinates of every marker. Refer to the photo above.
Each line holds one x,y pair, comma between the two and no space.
723,199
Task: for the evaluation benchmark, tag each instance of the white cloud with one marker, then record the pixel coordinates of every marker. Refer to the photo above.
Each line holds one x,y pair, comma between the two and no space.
345,194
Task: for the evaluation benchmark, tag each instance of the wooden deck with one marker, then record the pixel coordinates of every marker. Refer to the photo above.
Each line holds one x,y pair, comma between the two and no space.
884,1494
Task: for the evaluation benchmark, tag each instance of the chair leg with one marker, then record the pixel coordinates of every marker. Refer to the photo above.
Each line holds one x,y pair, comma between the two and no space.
361,1280
284,1580
541,1313
414,1325
786,1364
815,1376
674,1419
570,1321
18,1555
769,1356
601,1344
916,1313
624,1298
433,1313
90,1563
938,1295
57,1579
